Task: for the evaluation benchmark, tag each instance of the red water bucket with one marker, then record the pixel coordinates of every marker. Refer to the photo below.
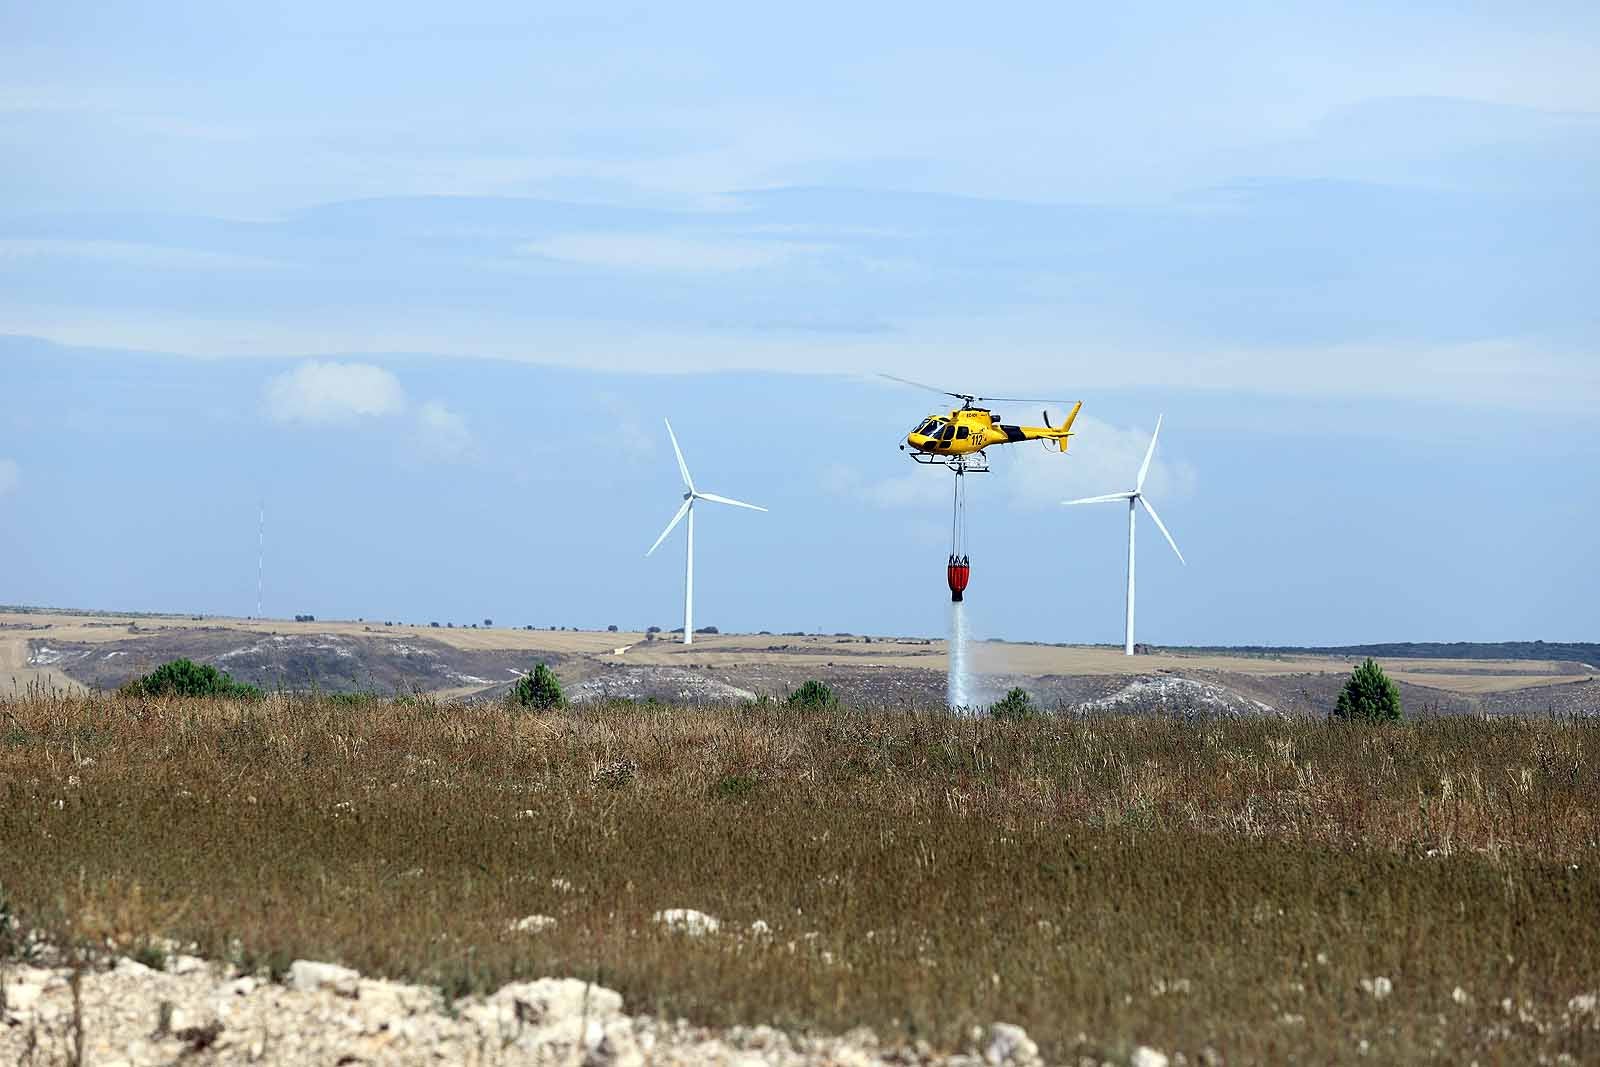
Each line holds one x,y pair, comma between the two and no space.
958,572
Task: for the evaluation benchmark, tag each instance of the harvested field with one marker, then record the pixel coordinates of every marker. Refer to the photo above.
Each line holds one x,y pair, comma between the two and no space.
1270,890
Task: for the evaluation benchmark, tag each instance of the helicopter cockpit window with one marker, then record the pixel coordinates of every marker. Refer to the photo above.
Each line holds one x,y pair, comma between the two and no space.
961,433
949,432
928,428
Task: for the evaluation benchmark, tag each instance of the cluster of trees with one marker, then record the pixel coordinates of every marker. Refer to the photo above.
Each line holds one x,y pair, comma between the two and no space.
185,678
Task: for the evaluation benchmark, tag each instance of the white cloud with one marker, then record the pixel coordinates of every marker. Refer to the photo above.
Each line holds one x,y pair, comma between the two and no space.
656,252
444,434
1102,459
333,392
10,475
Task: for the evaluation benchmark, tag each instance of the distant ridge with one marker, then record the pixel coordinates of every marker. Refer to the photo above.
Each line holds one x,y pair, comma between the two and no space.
1579,651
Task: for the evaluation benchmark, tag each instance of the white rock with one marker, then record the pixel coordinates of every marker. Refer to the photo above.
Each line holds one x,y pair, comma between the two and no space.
21,994
1145,1056
1009,1043
127,968
759,928
533,924
183,1019
549,999
616,1048
242,987
1460,996
1582,1004
308,976
688,921
184,964
1379,987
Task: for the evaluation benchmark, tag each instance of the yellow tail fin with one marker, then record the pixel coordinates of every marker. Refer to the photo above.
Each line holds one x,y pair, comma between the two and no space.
1066,427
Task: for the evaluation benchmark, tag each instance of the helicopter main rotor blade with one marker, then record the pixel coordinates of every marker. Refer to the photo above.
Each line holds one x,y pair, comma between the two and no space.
930,388
683,468
715,499
1163,527
1150,453
682,511
1022,400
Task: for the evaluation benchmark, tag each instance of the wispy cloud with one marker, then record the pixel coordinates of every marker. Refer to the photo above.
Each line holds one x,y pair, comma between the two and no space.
444,433
24,251
665,252
333,392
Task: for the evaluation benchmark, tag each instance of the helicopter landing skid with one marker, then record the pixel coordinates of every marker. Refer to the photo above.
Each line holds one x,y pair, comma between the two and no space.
968,463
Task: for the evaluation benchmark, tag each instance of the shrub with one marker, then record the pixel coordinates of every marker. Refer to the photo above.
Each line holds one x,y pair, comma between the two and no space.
734,787
611,629
813,694
186,678
540,689
1369,695
1016,704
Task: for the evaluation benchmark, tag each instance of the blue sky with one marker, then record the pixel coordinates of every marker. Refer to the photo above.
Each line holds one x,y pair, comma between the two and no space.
426,279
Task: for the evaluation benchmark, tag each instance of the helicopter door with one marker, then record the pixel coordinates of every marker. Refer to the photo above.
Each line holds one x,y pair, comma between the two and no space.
961,433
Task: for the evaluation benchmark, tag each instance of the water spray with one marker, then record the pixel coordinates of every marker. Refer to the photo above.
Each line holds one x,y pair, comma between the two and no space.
958,694
958,571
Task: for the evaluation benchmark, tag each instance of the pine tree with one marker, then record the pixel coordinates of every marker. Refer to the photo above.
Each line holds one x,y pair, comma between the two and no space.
1369,695
541,689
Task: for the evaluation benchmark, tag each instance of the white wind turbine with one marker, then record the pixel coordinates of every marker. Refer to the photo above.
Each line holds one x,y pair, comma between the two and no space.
690,495
1135,499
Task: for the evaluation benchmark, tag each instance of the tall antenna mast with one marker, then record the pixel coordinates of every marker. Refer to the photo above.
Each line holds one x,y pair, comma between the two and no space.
261,553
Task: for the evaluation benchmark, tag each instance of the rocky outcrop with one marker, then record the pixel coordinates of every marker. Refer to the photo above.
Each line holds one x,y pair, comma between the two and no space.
130,1015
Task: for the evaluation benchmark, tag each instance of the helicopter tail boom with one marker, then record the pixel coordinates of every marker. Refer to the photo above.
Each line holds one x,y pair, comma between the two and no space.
1057,435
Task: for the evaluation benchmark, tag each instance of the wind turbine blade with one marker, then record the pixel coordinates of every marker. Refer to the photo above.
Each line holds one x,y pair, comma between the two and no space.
1163,528
1144,468
715,499
684,510
1108,498
683,468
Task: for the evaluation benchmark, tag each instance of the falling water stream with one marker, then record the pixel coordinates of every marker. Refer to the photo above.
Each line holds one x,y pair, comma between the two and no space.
958,689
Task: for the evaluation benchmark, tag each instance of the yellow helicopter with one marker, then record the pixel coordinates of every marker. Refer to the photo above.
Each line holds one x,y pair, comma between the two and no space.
957,439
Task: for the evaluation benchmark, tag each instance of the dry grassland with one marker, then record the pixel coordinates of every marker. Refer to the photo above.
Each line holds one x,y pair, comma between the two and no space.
1224,885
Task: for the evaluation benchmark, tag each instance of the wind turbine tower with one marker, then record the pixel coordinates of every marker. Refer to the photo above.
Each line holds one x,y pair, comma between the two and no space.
261,554
690,495
1136,499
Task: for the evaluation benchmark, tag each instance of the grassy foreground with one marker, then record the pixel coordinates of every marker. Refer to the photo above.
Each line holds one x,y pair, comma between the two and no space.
1104,883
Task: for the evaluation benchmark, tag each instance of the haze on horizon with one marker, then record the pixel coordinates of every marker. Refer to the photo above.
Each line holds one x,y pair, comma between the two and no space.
425,280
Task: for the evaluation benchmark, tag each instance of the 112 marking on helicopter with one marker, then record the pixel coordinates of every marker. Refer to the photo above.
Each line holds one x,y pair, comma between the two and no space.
957,439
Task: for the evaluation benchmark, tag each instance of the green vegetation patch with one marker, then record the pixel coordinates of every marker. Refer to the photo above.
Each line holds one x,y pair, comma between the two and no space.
186,678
